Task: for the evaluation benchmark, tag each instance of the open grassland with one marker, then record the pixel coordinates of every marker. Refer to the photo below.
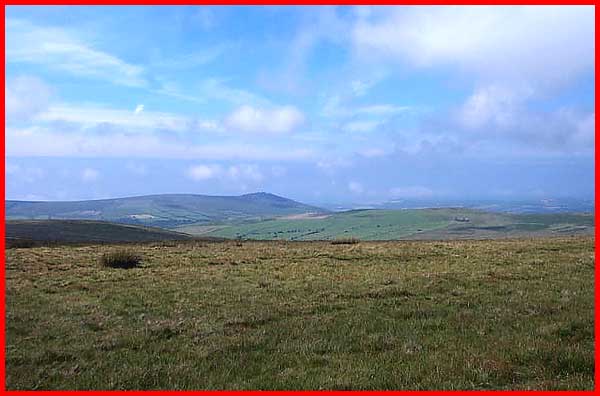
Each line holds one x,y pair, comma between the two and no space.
405,224
503,314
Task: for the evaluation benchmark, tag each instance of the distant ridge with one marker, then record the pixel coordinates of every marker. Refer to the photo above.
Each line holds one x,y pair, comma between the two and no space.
163,210
83,231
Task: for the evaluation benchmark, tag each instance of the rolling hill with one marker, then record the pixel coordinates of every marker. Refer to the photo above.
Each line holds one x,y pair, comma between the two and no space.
270,217
26,232
167,210
374,224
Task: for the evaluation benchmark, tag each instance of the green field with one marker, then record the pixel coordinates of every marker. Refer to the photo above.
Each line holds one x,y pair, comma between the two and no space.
492,314
404,224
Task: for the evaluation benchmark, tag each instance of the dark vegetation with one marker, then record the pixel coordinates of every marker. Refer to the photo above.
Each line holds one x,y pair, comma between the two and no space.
28,233
122,258
21,243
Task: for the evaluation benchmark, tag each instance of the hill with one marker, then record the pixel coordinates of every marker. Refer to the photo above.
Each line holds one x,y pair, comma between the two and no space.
547,205
167,210
27,232
406,224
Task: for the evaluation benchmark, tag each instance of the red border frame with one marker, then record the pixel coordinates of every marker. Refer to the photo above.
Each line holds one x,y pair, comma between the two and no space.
3,390
293,3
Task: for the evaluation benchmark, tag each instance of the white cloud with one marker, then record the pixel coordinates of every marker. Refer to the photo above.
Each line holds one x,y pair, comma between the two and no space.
214,88
92,115
40,141
208,125
355,187
199,57
335,107
65,50
203,172
319,24
514,55
496,119
169,88
360,88
374,152
139,108
89,175
236,173
382,109
27,174
209,90
245,172
25,96
331,164
362,126
541,44
276,120
490,104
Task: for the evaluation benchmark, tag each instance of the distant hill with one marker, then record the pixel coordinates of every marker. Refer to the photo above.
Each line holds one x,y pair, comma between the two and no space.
549,205
21,232
167,210
436,223
372,224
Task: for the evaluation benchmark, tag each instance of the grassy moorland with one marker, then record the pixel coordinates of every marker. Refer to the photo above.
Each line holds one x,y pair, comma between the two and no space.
502,314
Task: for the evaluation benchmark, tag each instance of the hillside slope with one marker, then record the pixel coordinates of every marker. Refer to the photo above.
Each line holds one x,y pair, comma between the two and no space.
83,231
168,210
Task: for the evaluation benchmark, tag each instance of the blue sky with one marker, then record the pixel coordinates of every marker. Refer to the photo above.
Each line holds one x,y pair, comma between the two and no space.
320,104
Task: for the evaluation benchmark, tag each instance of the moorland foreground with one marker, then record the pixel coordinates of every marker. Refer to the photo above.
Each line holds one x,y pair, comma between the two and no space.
494,314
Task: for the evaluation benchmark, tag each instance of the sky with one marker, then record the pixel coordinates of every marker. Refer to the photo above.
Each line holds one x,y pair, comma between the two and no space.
319,104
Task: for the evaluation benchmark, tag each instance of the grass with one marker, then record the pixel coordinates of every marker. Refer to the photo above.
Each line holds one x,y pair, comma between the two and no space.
405,224
503,314
345,241
363,224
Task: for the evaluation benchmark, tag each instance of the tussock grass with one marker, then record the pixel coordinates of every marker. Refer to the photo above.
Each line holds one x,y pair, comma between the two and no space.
122,258
19,243
507,314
